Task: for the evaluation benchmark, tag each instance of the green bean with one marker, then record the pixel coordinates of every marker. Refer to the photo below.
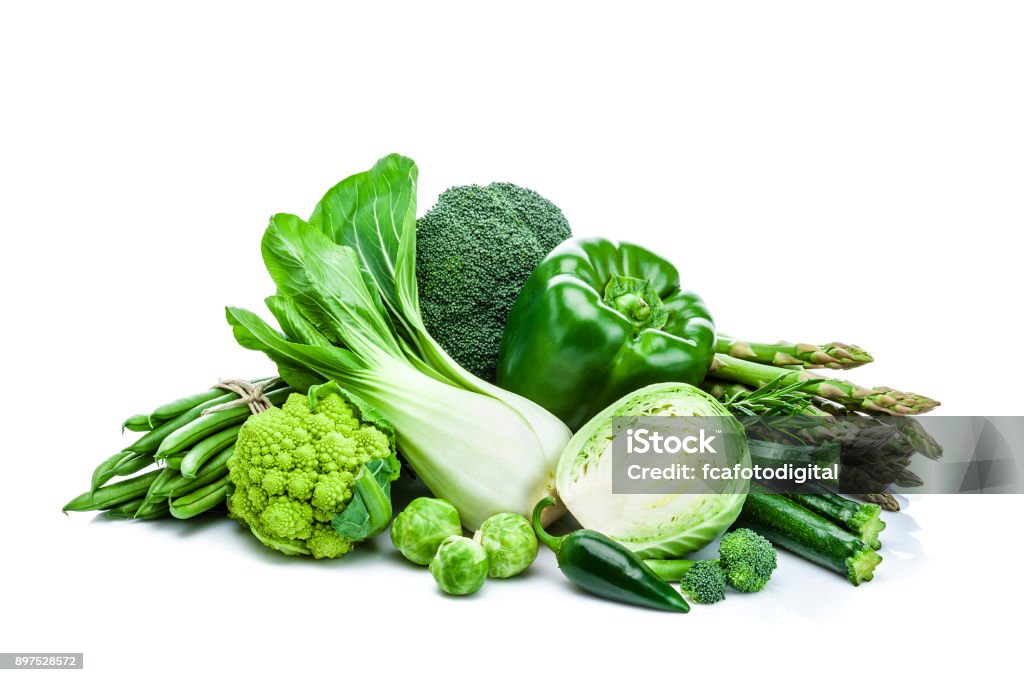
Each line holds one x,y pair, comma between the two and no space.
105,471
150,443
195,485
129,465
113,494
177,407
137,422
207,448
174,461
202,500
122,463
175,484
165,484
198,429
153,494
139,509
215,469
155,509
181,405
201,427
125,510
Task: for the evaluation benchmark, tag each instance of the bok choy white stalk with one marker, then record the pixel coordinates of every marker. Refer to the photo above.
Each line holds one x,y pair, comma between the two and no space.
347,303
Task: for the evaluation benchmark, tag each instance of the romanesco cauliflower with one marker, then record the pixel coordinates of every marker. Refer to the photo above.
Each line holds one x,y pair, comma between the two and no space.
295,467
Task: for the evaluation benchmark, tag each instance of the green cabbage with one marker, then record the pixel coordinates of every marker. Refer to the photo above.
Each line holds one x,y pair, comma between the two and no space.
652,525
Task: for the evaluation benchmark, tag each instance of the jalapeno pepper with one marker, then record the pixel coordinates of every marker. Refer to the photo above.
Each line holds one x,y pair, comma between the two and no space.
597,320
603,567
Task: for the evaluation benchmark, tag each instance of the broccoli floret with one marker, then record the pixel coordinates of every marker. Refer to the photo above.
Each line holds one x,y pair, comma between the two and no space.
475,250
704,583
747,560
294,468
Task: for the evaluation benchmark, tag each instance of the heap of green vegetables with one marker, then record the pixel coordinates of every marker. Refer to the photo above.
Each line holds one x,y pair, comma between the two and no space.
486,352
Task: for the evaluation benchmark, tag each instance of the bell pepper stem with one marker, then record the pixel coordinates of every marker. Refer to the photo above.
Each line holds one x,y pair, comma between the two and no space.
553,542
637,300
633,307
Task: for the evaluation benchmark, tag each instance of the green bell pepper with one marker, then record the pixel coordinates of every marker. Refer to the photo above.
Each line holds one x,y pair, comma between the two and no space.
597,320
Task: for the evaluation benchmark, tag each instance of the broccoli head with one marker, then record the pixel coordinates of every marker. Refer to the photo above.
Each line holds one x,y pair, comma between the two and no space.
296,466
475,250
704,582
747,560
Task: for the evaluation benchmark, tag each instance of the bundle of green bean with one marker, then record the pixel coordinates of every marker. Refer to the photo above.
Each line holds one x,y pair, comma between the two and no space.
179,466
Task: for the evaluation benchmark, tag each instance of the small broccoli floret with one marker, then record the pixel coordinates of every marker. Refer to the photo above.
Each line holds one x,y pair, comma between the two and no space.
704,583
747,560
294,468
475,250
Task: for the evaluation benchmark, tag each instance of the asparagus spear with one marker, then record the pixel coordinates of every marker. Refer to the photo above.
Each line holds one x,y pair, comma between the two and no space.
883,500
909,427
876,449
915,433
833,355
776,399
879,399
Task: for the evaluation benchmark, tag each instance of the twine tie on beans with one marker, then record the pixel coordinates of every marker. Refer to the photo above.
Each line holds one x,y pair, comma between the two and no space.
249,394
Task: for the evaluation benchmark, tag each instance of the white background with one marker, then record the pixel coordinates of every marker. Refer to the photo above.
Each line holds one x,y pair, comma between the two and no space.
818,171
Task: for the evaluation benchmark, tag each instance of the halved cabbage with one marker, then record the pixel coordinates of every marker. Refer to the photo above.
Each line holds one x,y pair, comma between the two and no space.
652,525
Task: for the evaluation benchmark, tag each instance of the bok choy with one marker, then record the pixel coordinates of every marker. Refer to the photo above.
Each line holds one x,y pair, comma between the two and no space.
348,307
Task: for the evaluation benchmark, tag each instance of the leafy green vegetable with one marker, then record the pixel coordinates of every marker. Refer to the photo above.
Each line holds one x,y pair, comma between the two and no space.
369,511
484,449
367,212
653,526
475,250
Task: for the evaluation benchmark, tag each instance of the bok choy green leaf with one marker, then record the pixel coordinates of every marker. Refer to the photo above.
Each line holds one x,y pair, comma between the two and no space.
348,305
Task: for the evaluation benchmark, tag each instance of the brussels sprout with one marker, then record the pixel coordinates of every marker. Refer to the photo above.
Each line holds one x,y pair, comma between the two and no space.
422,526
510,543
460,565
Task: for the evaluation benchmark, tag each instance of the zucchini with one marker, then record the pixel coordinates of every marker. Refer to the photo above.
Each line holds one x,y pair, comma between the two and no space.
787,524
863,520
770,454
